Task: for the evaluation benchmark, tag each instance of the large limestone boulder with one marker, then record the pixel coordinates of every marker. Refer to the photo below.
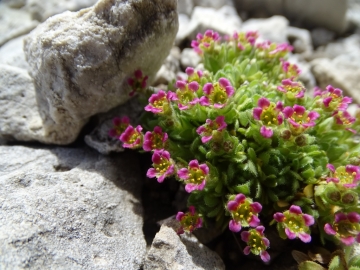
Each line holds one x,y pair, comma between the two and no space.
80,61
64,208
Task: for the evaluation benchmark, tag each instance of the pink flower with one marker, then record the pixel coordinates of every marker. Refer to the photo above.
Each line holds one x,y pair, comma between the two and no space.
299,118
270,115
155,140
345,227
344,119
333,99
281,48
189,221
243,39
192,75
271,50
163,165
348,176
291,70
295,223
159,102
138,82
244,212
186,94
256,242
120,124
132,137
292,89
217,94
206,130
206,42
195,176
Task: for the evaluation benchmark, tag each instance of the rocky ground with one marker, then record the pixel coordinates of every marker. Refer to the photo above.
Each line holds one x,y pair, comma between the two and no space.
70,196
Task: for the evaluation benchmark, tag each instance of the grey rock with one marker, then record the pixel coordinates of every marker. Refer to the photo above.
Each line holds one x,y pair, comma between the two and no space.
19,117
273,29
15,3
185,29
353,13
225,21
342,46
66,208
99,138
12,53
185,7
321,36
41,10
301,41
169,69
14,23
81,61
304,13
342,72
171,251
217,4
189,58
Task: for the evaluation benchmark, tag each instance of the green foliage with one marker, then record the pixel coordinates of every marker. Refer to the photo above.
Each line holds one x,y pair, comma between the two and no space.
248,119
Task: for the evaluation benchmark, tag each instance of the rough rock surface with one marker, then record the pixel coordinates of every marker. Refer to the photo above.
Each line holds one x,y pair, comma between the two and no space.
14,23
19,117
312,13
12,53
224,20
65,208
170,68
171,251
41,10
81,61
274,28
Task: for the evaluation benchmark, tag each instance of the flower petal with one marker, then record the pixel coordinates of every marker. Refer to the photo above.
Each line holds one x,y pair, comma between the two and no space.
264,255
234,226
290,234
306,238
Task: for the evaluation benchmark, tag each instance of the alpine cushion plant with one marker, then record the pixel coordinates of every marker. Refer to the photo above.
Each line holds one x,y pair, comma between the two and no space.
251,145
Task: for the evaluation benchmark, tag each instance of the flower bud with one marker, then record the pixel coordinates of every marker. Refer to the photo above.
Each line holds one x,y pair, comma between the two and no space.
286,134
300,140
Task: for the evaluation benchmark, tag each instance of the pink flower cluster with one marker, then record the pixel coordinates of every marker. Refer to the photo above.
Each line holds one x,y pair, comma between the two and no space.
195,176
217,94
332,99
257,243
138,82
205,42
294,223
292,89
346,227
206,130
244,212
270,115
347,176
189,221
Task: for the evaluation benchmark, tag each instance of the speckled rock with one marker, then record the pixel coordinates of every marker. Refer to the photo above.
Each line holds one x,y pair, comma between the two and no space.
14,23
64,208
80,61
41,10
171,251
19,117
12,53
